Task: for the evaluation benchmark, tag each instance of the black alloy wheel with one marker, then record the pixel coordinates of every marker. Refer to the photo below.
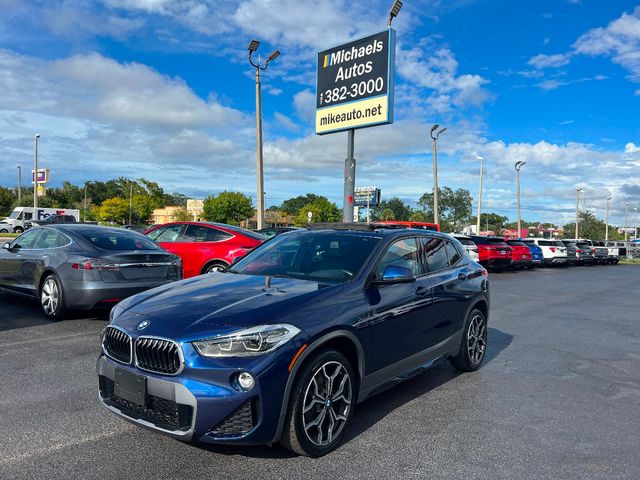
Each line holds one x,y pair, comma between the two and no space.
321,406
474,343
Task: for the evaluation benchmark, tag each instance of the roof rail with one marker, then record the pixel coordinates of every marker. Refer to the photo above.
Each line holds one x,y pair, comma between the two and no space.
359,226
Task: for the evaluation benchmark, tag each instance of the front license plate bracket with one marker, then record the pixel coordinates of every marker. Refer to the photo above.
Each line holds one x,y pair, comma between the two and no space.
130,386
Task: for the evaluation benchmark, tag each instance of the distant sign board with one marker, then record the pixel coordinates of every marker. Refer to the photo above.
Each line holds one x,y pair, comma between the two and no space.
355,82
42,177
366,197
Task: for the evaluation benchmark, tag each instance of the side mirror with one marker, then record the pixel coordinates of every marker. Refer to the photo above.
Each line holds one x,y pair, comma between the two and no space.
395,274
7,246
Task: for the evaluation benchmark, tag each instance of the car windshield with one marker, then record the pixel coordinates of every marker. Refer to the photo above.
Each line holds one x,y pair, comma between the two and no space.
117,240
14,214
328,257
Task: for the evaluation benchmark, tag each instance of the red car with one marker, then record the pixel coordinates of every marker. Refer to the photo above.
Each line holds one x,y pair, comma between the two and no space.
520,254
493,252
204,247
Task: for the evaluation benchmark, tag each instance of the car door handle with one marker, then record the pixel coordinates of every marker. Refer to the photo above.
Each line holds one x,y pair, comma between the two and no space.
422,291
462,276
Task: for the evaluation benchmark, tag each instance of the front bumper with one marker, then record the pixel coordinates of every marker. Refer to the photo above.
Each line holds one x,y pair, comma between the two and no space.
200,405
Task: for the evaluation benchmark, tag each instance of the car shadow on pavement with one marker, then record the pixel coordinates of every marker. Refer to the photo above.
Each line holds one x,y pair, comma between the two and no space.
374,409
21,312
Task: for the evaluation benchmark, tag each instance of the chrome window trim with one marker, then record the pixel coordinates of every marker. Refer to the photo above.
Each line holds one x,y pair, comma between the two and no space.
131,350
152,337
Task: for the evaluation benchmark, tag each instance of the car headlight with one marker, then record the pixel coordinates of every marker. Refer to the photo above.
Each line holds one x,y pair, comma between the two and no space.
247,343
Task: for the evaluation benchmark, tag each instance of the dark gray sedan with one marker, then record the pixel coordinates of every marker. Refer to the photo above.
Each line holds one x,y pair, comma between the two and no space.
82,267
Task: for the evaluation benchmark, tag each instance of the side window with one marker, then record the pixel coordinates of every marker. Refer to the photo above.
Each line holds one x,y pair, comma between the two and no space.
402,253
199,233
166,234
436,254
50,239
453,253
25,240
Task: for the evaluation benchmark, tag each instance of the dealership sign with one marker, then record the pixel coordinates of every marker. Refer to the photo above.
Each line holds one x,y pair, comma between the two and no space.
42,177
354,86
366,197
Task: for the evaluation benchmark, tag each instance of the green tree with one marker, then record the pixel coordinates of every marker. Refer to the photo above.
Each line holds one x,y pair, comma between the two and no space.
322,210
228,207
181,215
113,210
6,201
454,208
590,227
418,216
400,210
293,205
493,221
387,214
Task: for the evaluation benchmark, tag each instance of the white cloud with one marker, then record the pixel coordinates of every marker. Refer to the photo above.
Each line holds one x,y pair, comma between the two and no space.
550,61
631,148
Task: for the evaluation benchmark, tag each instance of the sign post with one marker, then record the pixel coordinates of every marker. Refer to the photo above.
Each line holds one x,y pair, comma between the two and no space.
354,90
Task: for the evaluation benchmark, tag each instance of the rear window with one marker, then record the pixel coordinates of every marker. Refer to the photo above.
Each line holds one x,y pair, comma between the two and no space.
465,241
516,243
112,240
583,245
247,233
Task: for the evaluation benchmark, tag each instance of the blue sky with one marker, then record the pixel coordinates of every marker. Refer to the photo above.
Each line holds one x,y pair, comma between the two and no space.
162,89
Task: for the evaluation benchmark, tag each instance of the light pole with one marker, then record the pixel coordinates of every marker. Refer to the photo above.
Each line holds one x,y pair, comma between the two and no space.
479,196
626,220
253,46
635,237
35,180
84,213
19,184
606,221
434,136
578,190
518,166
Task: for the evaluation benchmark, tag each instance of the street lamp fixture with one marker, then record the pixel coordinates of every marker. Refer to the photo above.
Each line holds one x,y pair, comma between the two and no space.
434,136
395,9
578,190
518,166
253,46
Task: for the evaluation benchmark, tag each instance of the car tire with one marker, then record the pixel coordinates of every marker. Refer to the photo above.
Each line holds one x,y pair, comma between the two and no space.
52,298
473,346
308,432
18,230
215,267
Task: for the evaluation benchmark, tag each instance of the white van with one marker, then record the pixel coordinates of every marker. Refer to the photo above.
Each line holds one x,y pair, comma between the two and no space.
21,217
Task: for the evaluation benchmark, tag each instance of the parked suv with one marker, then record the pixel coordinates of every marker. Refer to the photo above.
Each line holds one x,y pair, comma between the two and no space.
572,254
537,258
584,254
600,253
469,246
553,251
493,251
285,344
520,254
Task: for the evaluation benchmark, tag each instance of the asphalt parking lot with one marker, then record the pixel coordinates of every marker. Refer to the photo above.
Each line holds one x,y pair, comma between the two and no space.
558,397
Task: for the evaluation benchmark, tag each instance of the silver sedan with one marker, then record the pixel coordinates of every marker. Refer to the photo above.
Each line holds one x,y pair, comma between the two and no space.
82,267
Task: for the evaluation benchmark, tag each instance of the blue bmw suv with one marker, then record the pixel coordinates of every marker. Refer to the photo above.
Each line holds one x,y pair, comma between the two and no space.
282,346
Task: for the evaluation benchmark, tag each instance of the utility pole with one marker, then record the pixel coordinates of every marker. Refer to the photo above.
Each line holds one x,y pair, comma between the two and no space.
349,178
35,180
434,136
578,190
479,197
130,201
606,221
84,213
635,237
19,184
626,220
518,167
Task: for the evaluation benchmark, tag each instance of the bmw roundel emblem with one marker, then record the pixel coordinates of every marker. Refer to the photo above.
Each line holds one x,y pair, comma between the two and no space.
143,324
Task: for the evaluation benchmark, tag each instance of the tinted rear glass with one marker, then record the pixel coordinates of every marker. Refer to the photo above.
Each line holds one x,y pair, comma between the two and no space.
547,243
465,241
436,254
246,233
516,243
114,240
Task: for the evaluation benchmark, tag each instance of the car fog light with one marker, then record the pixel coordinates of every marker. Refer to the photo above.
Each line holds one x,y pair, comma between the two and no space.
246,381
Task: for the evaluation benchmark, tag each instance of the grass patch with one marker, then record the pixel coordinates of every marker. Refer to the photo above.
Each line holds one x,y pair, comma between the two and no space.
630,261
9,235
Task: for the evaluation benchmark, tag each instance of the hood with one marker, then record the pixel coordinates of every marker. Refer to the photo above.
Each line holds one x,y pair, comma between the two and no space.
217,304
